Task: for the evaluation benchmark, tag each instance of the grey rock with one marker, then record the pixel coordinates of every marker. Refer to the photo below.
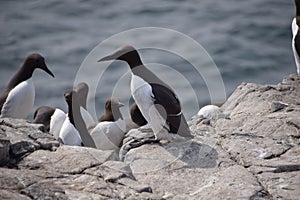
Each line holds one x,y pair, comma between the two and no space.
66,159
186,153
133,139
5,194
262,133
21,138
251,151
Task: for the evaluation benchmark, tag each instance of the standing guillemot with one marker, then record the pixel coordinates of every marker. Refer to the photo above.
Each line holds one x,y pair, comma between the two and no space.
109,133
68,133
82,90
74,131
51,118
17,99
296,36
158,103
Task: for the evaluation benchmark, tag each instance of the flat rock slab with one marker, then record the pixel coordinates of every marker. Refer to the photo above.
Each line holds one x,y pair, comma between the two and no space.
186,153
67,159
191,170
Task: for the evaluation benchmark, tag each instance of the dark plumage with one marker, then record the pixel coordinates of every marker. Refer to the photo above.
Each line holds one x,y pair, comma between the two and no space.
112,110
42,115
136,115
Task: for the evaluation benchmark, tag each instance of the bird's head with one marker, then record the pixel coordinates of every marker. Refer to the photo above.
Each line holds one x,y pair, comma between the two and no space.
125,53
35,60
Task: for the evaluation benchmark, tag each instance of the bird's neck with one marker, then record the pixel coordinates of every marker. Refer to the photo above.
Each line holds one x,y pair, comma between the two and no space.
134,63
71,108
23,74
147,75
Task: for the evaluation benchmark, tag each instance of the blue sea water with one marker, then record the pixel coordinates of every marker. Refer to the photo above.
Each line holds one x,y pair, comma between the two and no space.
249,41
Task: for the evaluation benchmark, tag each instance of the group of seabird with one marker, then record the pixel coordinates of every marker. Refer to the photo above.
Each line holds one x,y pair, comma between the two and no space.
156,104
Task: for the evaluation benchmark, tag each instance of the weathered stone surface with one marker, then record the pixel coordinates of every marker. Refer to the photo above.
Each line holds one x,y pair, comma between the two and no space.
185,153
249,151
67,159
20,138
262,132
5,194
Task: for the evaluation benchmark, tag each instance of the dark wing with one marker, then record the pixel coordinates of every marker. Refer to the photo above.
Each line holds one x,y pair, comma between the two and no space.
165,97
297,43
175,119
136,115
42,115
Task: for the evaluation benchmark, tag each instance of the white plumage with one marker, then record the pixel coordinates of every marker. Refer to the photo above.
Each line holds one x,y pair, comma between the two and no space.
144,98
56,122
69,134
295,29
19,101
109,135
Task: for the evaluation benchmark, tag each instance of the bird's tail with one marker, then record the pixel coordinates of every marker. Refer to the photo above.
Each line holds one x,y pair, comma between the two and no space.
179,125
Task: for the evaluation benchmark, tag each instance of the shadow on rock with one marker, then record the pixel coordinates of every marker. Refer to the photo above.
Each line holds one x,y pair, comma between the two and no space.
200,156
146,155
192,154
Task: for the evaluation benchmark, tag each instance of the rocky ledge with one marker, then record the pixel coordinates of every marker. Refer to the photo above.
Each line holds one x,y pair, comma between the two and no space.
249,151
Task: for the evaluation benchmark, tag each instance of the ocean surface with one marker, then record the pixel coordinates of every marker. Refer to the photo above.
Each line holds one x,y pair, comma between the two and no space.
249,41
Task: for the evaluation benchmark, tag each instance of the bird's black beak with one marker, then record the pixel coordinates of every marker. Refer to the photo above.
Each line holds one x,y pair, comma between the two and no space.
45,68
107,58
121,53
116,55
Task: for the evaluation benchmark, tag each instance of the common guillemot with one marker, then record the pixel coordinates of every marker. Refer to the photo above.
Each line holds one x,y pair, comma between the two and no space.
157,101
42,115
17,99
51,118
296,36
112,110
109,132
74,129
68,134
